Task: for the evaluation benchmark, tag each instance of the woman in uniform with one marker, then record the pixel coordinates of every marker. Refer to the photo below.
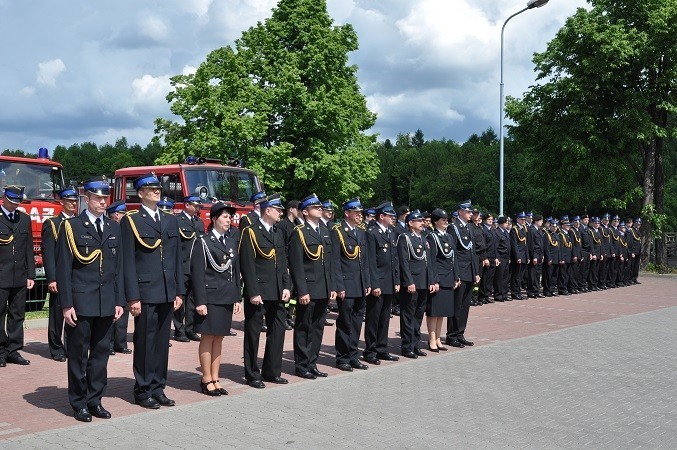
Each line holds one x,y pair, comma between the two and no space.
215,278
441,303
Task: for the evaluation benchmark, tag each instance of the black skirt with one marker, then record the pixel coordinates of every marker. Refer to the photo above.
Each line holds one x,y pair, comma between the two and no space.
217,322
441,303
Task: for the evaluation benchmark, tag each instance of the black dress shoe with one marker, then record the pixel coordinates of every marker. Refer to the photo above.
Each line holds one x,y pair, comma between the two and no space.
264,329
232,333
257,384
99,411
276,380
464,341
411,355
387,357
18,359
310,375
372,360
163,400
488,301
3,363
181,339
124,351
149,403
193,336
499,299
434,350
317,373
541,296
418,352
111,352
358,365
345,367
83,415
60,358
328,323
454,343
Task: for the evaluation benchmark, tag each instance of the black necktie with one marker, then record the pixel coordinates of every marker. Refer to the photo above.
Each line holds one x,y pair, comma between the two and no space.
157,217
11,217
98,227
222,240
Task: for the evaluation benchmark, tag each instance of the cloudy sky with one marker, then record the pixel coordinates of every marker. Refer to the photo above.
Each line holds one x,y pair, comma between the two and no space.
83,70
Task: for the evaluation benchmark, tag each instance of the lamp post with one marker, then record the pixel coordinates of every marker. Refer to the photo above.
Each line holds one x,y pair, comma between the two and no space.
531,4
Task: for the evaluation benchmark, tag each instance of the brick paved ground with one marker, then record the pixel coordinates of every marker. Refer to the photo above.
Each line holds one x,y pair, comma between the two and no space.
610,383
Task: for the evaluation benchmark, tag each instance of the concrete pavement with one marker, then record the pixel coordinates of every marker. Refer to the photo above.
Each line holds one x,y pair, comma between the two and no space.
607,383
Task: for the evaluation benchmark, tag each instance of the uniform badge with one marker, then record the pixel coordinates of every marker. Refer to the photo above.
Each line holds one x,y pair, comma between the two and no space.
446,244
87,224
385,250
386,246
113,250
346,228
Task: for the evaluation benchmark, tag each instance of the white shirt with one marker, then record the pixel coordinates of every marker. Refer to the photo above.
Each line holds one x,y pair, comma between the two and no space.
151,212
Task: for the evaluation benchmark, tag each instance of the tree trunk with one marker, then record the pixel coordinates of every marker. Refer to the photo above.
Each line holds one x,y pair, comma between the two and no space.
649,153
659,191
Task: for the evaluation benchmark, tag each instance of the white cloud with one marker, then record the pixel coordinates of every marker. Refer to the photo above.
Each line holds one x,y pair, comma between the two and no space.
149,92
153,27
49,71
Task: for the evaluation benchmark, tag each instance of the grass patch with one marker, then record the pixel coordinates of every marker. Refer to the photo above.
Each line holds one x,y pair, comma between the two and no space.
42,314
660,269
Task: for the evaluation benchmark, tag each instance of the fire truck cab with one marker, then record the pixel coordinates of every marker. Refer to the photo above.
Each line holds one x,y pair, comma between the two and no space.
42,180
208,178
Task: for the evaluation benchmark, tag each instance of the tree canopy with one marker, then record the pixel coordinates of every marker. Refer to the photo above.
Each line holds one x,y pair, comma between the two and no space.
284,100
603,112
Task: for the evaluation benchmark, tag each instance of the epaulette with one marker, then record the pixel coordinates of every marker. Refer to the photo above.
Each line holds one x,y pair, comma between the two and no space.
299,226
131,211
335,226
362,227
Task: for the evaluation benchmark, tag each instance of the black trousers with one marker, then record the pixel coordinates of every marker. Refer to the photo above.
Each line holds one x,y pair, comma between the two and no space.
274,314
573,276
151,349
376,325
456,324
502,280
487,281
534,286
184,317
55,331
593,273
412,309
550,273
603,270
88,360
348,328
563,275
584,270
634,267
118,338
13,308
308,331
516,276
612,277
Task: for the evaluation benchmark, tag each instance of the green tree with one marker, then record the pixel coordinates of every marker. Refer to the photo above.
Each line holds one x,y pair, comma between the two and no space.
285,101
605,106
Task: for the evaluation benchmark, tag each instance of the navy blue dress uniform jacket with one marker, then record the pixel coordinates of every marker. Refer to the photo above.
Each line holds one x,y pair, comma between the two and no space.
518,244
209,286
595,242
151,275
443,267
551,247
17,263
383,259
566,250
535,243
310,259
575,238
93,289
263,262
465,259
502,239
490,239
413,270
350,274
50,234
189,230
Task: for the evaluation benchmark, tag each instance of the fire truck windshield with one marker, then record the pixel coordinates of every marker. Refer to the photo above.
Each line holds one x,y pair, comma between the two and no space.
40,181
222,184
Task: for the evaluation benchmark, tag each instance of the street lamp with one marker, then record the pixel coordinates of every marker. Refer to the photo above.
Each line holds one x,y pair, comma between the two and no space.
531,4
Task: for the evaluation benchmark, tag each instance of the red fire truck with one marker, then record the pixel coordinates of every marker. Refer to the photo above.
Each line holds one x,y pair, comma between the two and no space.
42,179
208,178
